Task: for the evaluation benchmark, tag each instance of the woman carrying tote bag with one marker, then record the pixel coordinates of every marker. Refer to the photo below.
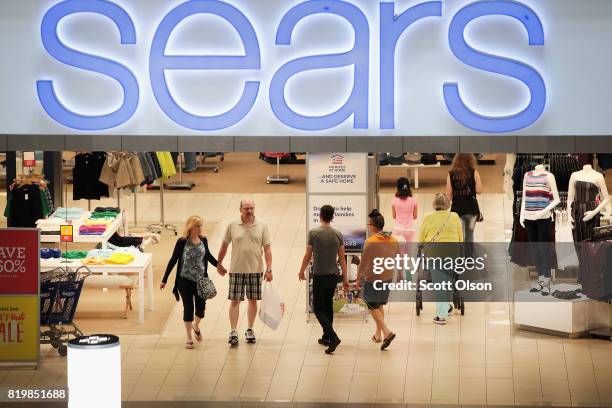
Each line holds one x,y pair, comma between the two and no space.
192,283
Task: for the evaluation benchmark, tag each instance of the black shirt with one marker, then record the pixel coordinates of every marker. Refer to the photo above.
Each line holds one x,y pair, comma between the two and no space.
464,193
86,176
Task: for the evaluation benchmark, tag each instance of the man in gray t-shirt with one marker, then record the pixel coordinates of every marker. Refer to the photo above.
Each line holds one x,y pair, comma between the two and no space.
326,248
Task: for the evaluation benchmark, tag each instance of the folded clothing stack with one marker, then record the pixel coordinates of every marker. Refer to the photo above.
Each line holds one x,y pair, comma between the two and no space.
75,254
105,212
50,226
93,260
120,258
98,221
48,253
73,213
100,253
96,229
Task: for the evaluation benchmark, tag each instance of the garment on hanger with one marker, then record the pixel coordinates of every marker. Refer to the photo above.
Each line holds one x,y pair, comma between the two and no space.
148,170
166,163
27,202
584,200
86,184
156,165
596,269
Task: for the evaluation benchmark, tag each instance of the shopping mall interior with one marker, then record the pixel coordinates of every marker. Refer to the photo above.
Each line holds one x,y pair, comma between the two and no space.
480,358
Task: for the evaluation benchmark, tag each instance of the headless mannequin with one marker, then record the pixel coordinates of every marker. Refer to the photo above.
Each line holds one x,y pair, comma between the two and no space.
588,174
537,220
546,212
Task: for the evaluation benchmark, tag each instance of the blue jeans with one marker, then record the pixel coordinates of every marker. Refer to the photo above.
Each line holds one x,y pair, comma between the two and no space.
468,223
443,297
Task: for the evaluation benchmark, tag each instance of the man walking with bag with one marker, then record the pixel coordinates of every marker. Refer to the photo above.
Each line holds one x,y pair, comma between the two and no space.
250,239
326,247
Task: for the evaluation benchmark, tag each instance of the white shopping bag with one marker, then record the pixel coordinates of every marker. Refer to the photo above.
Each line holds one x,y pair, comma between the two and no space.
271,309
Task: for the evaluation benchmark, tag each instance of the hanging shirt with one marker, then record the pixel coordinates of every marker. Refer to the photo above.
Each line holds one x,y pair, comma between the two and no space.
86,175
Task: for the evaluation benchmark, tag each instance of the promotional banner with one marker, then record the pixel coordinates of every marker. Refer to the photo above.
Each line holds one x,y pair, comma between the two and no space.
19,250
337,173
19,330
349,218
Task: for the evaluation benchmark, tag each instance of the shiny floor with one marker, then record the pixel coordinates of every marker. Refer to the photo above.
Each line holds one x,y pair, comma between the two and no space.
477,359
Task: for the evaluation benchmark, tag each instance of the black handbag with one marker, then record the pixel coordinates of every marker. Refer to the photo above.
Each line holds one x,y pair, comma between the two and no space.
206,287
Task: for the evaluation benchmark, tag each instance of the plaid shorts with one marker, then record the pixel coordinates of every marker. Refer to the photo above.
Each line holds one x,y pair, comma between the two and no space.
241,282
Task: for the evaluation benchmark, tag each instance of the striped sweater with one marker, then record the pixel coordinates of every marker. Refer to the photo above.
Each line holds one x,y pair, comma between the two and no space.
538,192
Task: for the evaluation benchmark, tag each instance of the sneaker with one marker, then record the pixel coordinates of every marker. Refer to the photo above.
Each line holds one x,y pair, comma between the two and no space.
333,344
323,342
233,338
250,336
437,320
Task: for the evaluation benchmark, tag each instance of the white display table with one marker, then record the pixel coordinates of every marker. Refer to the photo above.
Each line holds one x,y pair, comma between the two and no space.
571,318
78,238
415,170
143,263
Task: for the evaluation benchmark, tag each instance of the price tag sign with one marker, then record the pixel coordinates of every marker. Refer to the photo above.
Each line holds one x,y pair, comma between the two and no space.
66,233
29,160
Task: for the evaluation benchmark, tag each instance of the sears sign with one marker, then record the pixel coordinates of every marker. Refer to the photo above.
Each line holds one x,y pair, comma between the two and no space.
390,22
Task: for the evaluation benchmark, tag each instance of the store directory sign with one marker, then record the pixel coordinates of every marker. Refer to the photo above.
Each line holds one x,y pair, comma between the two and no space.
278,67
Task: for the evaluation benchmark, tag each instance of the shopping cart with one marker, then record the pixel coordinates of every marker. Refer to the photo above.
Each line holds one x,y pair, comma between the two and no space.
60,290
423,275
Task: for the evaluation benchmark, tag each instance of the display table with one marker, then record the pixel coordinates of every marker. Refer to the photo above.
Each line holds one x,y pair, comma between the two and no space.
571,318
78,238
142,264
415,170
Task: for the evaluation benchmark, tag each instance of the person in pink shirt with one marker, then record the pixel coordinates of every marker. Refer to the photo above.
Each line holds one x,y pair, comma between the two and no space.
405,210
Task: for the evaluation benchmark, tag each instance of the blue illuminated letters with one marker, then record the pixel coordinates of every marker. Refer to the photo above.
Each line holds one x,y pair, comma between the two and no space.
68,56
498,65
356,109
159,62
391,29
357,103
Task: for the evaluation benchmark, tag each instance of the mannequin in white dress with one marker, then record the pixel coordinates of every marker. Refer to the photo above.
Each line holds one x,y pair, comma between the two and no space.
540,197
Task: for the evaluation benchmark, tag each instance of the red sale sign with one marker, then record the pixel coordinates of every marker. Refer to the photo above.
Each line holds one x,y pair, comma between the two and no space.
19,261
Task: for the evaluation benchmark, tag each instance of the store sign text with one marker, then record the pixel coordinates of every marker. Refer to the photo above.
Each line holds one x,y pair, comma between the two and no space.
392,24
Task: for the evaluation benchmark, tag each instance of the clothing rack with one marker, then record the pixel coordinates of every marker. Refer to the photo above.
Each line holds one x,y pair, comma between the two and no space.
187,185
162,226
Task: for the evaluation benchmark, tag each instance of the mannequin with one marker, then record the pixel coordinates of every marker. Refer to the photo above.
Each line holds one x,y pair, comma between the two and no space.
540,197
584,186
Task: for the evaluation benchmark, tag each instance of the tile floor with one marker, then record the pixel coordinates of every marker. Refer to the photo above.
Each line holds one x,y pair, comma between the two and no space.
477,359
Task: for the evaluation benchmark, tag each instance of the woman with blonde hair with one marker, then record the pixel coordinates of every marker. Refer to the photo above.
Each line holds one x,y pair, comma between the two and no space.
192,255
440,227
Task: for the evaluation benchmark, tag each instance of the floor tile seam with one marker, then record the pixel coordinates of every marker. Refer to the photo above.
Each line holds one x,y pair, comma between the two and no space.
294,309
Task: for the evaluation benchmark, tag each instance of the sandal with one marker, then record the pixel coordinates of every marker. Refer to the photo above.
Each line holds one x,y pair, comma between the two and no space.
198,334
387,341
376,339
189,345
